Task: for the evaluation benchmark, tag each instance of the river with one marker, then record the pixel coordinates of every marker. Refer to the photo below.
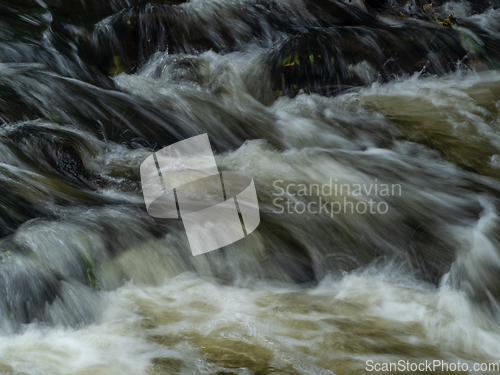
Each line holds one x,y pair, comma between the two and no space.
371,130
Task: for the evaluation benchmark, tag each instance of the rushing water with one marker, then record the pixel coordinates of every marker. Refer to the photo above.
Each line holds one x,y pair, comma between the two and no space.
304,96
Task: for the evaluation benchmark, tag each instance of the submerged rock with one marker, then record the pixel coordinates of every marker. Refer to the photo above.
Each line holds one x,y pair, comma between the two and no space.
75,8
427,6
137,33
321,46
325,60
32,93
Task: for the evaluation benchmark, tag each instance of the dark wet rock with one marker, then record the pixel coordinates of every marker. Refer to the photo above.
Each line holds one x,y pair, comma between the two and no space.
326,48
35,37
485,49
75,8
416,8
14,209
54,278
481,6
288,254
329,13
33,93
30,292
130,37
328,60
50,151
25,289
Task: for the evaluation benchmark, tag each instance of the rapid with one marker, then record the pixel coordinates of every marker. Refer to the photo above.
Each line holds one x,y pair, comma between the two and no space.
298,94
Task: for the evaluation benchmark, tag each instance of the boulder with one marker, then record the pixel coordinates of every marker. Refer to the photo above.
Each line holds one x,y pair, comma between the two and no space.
326,60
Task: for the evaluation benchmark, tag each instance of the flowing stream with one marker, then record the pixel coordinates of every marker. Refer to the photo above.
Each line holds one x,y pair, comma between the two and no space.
329,106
